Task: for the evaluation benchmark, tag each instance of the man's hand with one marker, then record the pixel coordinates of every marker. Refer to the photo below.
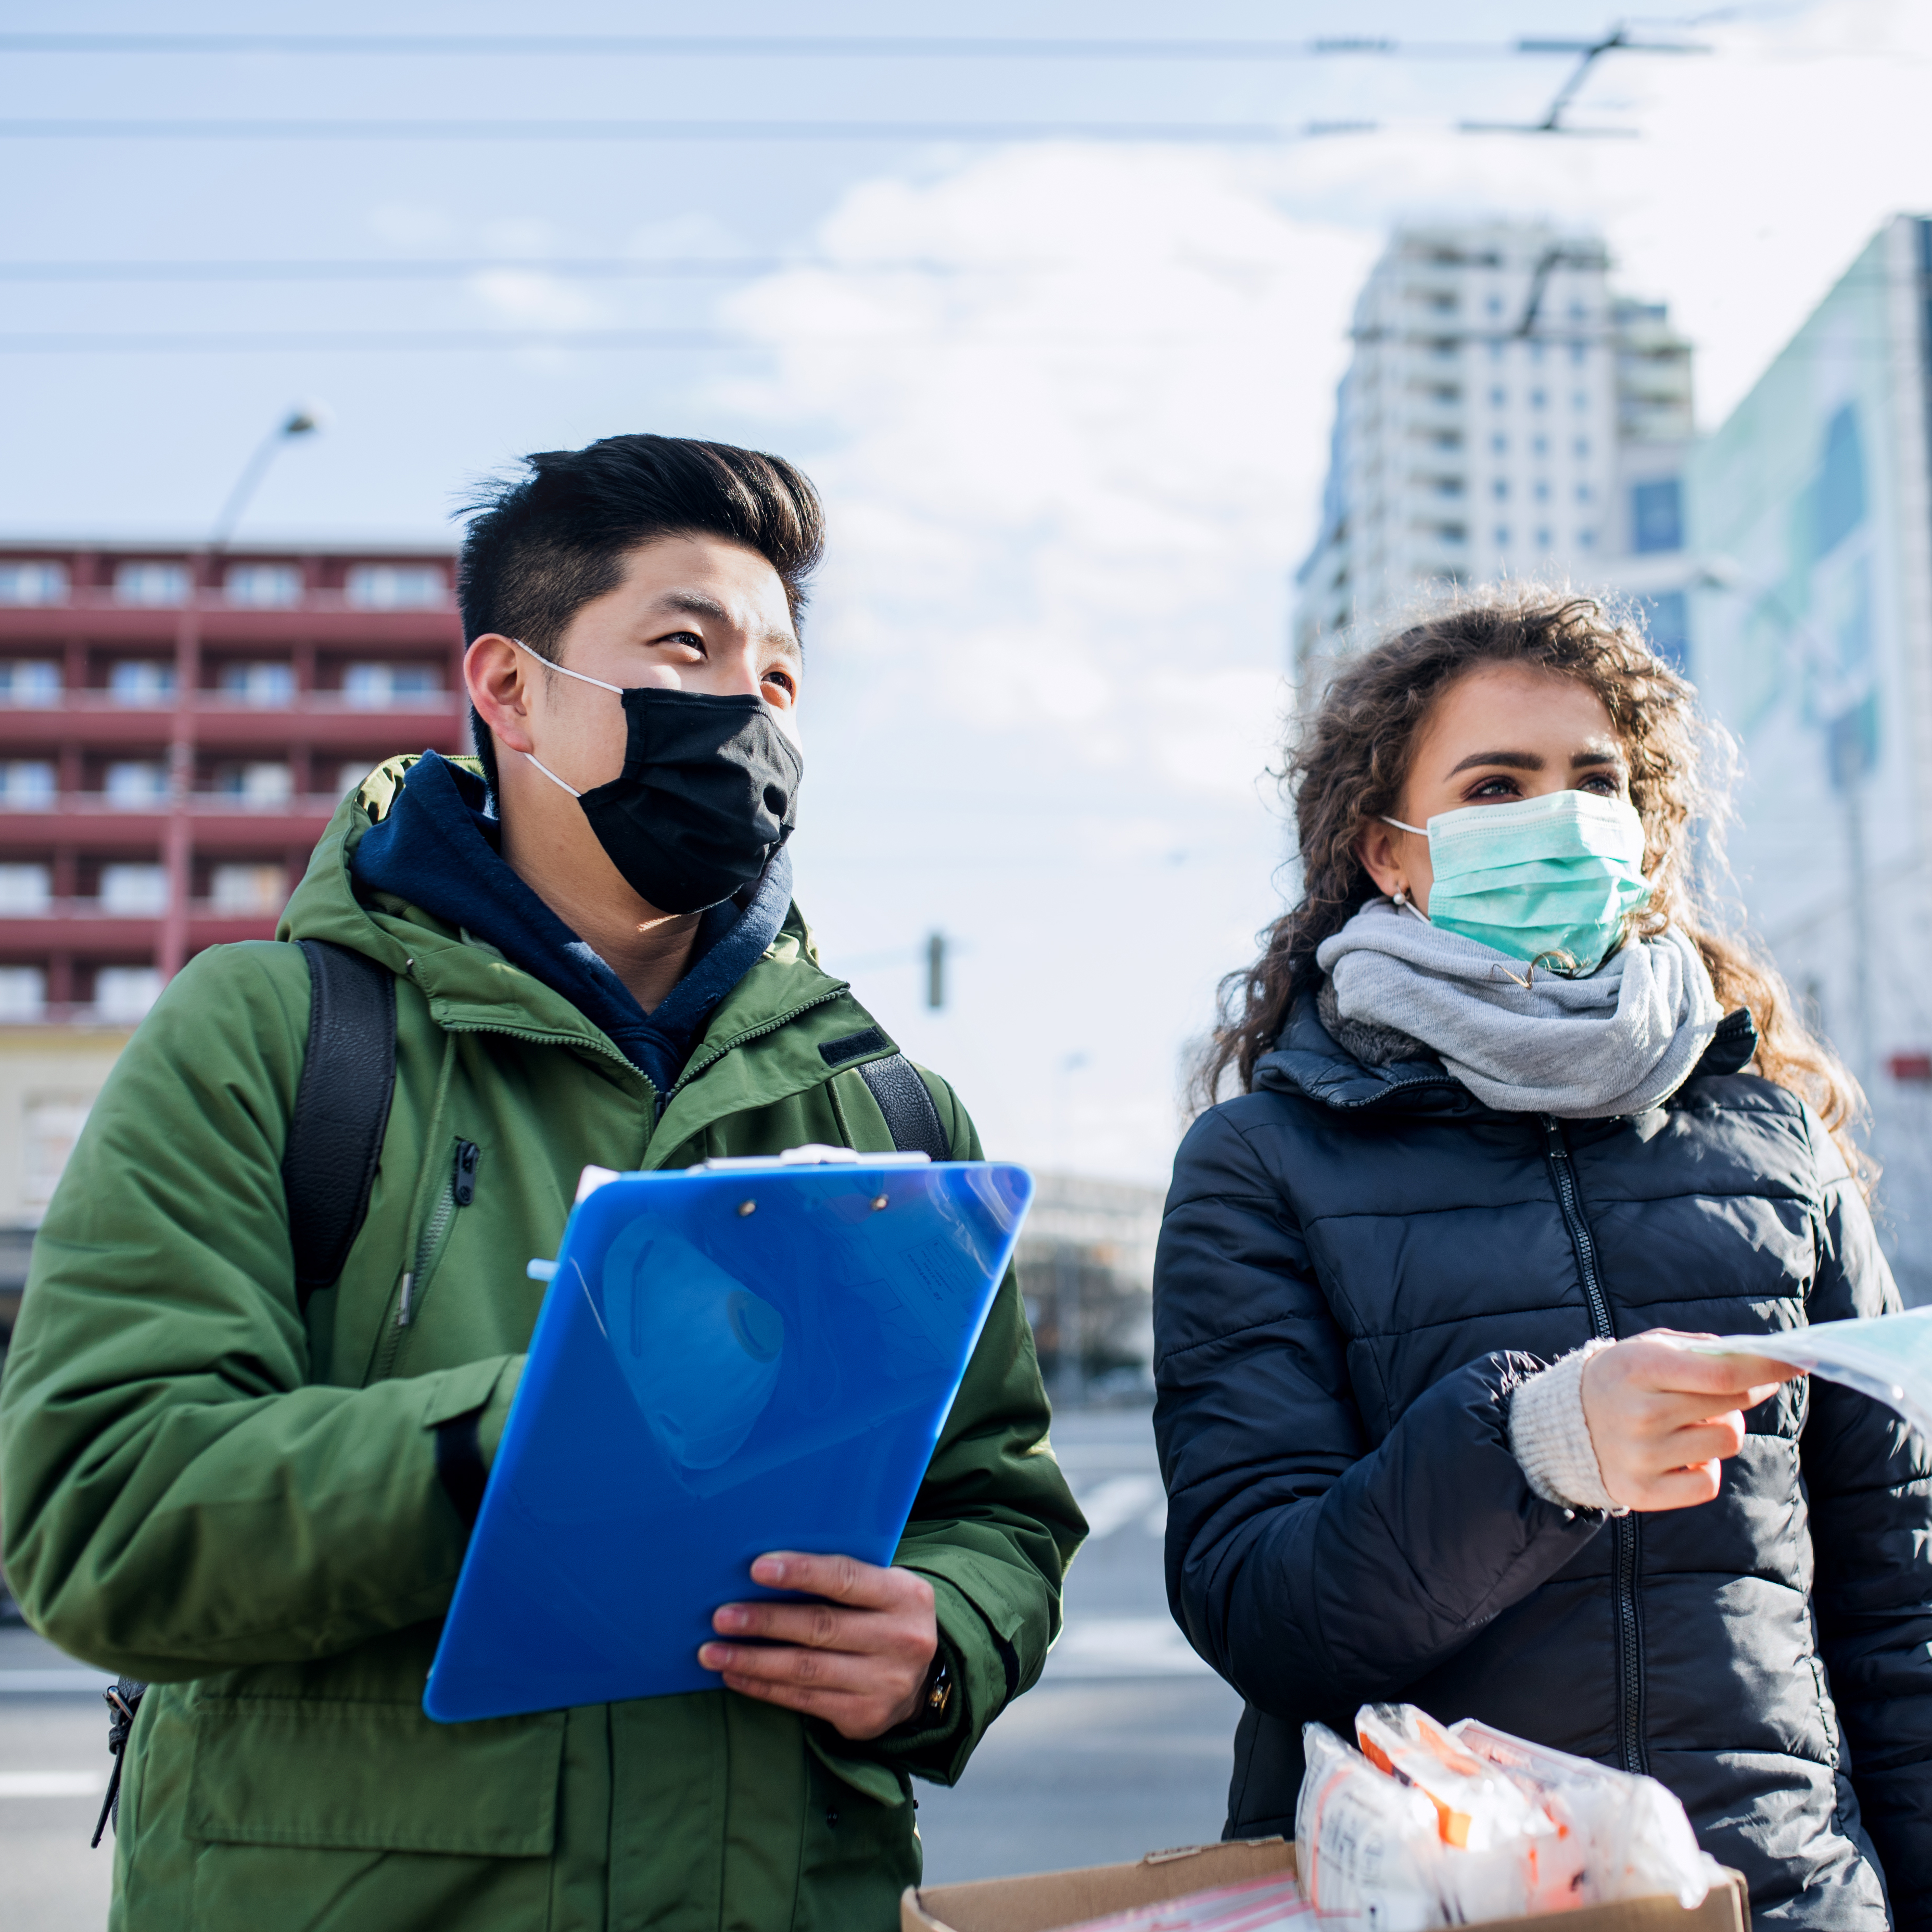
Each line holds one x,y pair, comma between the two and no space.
859,1659
1664,1419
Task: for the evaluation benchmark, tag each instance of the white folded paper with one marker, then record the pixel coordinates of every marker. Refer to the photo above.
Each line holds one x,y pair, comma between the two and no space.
1888,1357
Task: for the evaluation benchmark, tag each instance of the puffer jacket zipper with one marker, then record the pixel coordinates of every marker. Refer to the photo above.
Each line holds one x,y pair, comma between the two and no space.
1625,1529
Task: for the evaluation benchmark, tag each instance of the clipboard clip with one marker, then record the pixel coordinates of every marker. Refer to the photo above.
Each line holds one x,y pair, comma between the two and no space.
814,1153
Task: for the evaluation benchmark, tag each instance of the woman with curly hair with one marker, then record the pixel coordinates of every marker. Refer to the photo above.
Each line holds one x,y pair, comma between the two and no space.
1512,1120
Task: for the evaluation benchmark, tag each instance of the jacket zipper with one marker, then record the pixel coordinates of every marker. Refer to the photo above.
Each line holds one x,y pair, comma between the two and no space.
459,1190
1624,1529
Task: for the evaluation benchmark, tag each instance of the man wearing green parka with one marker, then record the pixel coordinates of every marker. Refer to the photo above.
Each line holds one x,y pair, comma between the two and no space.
258,1502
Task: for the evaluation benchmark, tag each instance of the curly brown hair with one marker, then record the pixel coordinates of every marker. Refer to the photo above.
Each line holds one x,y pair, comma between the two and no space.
1347,763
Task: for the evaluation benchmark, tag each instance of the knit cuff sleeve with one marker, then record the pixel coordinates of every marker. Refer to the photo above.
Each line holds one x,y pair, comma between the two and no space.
1550,1438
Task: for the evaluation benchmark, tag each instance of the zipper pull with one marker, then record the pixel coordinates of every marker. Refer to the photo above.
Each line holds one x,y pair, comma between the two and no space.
402,1301
462,1182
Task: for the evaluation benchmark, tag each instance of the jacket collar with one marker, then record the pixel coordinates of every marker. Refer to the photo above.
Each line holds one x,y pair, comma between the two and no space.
1307,1060
785,1003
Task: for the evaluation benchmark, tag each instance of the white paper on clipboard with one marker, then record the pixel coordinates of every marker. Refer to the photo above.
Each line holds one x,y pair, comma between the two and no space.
1887,1356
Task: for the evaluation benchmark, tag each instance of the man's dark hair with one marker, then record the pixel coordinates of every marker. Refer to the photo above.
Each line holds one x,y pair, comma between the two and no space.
543,544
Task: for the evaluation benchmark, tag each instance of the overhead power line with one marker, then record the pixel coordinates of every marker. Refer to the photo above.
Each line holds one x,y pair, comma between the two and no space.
385,341
786,46
697,268
483,131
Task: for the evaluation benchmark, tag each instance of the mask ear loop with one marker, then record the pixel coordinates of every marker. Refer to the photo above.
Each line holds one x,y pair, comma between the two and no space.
581,679
1401,900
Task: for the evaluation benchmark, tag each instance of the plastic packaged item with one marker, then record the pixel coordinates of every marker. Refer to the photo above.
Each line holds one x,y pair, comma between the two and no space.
1367,1847
1623,1837
1497,1835
1255,1905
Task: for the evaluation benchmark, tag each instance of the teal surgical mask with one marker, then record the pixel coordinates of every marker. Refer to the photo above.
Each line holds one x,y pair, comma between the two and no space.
1541,876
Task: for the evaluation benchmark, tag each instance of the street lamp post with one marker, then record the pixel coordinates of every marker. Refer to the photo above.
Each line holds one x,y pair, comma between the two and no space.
179,850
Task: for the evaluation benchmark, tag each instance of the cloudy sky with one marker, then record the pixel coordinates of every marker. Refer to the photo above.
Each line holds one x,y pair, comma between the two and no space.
1066,390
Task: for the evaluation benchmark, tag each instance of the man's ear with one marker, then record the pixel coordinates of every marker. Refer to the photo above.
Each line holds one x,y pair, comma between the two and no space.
1376,846
498,677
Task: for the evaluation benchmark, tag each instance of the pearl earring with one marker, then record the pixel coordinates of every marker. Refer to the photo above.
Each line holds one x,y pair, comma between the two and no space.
1401,897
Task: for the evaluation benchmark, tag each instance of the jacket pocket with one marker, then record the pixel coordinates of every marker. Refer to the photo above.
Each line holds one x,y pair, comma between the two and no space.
372,1777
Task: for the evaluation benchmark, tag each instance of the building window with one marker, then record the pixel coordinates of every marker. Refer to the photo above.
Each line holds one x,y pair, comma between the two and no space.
23,996
264,587
26,890
396,586
268,686
264,781
1500,444
1536,351
1538,398
1586,539
134,891
1500,488
1543,539
33,584
350,777
1583,492
377,687
30,681
1657,515
1579,354
26,782
142,681
152,584
1541,446
1541,492
1580,399
125,993
137,781
242,888
1582,445
1498,397
1502,535
1494,304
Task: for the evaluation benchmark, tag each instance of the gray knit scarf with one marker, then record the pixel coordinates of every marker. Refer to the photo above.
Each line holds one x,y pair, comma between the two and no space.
1525,1040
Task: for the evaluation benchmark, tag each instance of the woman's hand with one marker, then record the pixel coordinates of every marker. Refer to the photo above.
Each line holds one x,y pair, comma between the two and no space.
858,1660
1662,1418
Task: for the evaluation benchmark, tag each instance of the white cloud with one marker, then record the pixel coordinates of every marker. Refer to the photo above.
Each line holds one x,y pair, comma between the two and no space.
1072,466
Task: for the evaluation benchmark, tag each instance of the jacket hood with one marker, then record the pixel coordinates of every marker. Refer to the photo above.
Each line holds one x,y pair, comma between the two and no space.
472,987
1307,1061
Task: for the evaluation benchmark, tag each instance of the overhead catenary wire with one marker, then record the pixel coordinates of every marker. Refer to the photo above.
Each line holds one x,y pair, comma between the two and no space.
490,131
792,47
696,268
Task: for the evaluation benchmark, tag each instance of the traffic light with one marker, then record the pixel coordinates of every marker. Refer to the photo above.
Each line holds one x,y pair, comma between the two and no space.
935,971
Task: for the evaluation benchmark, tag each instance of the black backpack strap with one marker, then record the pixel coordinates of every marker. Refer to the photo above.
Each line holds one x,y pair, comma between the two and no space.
342,1109
912,1119
124,1701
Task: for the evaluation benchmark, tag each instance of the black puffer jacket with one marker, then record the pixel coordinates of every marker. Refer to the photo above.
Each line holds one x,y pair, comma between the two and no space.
1357,1267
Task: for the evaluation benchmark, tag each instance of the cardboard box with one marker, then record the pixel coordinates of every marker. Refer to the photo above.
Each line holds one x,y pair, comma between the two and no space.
1050,1900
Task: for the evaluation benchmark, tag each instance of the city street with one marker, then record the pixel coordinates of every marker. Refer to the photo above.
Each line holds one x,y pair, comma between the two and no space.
1123,1747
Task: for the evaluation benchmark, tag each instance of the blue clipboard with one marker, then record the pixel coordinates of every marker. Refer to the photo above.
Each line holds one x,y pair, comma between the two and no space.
751,1355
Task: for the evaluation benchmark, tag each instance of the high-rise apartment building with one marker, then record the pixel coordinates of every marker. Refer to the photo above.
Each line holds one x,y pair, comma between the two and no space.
176,729
1504,415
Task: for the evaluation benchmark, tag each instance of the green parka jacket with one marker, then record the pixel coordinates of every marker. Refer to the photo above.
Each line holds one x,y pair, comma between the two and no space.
205,1487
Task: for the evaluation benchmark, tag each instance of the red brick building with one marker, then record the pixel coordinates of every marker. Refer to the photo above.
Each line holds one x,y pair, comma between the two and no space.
176,729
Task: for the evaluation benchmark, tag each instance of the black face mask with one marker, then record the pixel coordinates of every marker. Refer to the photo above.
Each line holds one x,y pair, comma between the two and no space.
708,793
